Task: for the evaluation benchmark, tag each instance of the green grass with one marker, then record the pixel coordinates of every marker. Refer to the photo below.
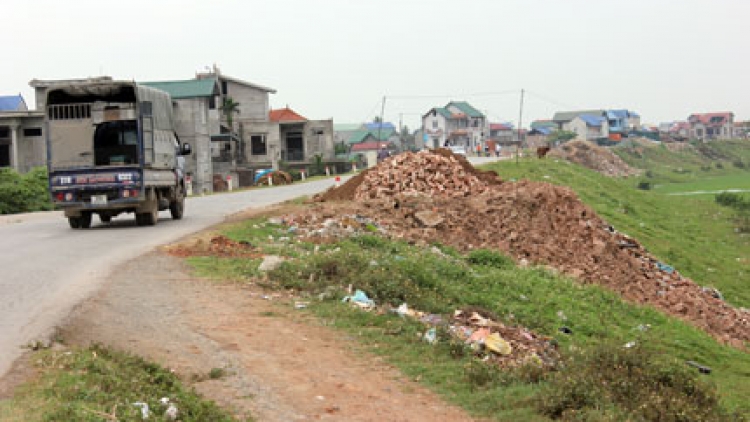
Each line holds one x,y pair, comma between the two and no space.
89,384
711,185
692,234
394,272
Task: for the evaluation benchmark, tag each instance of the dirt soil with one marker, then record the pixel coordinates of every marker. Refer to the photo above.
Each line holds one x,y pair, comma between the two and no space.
281,364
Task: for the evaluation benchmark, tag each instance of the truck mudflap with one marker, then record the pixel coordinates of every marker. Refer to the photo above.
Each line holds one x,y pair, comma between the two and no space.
96,188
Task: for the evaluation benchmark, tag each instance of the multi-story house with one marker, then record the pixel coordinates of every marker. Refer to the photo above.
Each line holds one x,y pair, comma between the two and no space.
707,126
22,145
458,123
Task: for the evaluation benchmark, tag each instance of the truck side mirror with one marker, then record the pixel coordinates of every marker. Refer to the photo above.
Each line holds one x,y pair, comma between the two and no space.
185,150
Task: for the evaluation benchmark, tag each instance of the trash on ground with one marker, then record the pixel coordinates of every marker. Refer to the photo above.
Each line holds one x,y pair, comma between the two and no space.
360,299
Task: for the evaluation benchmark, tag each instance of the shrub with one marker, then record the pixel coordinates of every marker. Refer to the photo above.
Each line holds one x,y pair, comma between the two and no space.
612,381
489,258
738,163
24,192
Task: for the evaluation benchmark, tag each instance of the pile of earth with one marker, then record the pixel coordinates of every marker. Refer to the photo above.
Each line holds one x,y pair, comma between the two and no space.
435,172
277,178
535,223
220,246
594,157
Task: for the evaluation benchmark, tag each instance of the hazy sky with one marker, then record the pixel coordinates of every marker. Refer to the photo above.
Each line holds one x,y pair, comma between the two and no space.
337,58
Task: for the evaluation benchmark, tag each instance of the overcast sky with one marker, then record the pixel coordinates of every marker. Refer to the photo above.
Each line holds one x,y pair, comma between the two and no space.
337,59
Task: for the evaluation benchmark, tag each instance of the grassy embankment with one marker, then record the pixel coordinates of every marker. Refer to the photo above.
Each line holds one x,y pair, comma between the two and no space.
97,384
694,235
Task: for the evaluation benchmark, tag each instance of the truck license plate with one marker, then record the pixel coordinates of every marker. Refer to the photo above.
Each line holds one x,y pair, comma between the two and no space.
99,199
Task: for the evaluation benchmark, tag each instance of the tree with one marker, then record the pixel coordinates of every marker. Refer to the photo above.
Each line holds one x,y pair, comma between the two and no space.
229,107
560,136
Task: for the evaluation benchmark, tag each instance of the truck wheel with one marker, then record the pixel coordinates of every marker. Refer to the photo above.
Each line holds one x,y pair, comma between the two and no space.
85,220
148,218
104,218
74,222
177,207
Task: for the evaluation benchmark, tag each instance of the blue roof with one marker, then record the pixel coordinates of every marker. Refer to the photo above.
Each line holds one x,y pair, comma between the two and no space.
592,120
375,125
12,103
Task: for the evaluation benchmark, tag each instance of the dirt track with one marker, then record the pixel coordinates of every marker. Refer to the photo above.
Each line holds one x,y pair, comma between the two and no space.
281,365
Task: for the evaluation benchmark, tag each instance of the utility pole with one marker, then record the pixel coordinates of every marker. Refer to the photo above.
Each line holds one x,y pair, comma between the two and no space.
520,123
380,124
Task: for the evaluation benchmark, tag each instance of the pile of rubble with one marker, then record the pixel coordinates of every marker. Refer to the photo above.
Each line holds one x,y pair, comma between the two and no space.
540,224
595,158
432,173
277,178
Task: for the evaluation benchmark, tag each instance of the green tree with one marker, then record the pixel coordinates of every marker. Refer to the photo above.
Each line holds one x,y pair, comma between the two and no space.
228,108
560,136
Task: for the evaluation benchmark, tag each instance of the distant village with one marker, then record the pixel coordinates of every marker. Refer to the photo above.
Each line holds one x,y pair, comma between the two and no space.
234,133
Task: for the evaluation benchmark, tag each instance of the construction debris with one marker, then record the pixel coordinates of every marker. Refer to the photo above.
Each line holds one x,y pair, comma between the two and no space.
594,157
532,222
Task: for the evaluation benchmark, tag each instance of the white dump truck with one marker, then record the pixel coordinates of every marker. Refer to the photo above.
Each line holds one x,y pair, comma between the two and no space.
112,149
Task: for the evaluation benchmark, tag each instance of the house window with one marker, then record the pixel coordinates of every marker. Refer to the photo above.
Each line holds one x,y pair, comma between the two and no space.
224,88
212,103
434,124
4,132
258,145
32,131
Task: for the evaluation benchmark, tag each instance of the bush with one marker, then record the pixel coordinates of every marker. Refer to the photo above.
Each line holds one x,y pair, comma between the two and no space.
644,185
489,258
738,163
610,381
24,192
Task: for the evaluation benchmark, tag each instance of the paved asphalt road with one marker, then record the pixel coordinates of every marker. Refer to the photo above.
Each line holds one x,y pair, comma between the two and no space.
46,268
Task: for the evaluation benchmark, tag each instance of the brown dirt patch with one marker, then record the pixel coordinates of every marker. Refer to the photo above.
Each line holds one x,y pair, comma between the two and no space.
281,364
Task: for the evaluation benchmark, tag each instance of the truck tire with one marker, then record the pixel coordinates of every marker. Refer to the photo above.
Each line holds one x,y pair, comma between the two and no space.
74,222
85,220
177,207
105,218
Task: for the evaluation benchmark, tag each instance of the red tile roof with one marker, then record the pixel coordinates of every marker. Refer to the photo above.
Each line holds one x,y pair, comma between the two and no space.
367,146
285,115
711,118
499,126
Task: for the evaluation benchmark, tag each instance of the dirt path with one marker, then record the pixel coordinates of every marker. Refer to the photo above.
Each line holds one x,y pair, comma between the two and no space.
281,365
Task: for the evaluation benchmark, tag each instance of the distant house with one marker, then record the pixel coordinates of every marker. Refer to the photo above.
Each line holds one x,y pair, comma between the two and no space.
621,122
22,145
458,123
708,126
301,139
502,133
588,127
563,118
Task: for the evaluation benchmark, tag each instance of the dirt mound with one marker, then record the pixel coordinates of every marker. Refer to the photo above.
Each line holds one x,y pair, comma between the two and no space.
215,246
434,173
277,177
543,224
595,158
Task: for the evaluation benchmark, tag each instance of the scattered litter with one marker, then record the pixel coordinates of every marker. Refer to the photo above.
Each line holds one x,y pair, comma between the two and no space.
171,412
359,298
713,292
497,344
629,344
562,316
430,336
301,305
565,330
164,401
664,267
702,369
144,409
643,327
321,398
